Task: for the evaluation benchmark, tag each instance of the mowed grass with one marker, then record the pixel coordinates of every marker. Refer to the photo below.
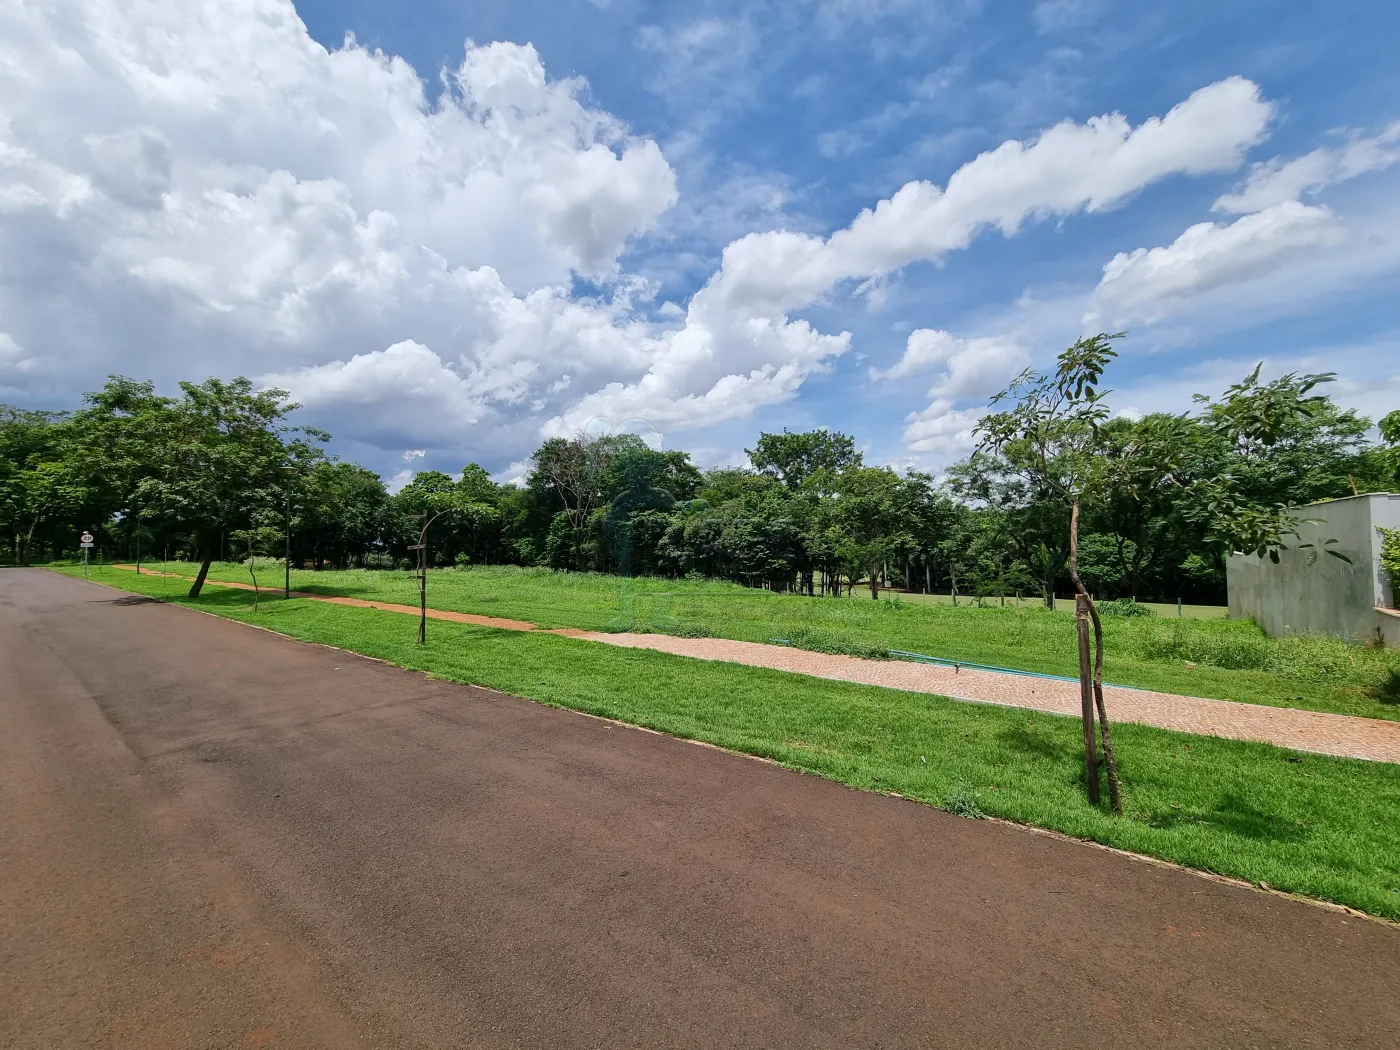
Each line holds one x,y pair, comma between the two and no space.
1194,612
1313,825
1232,660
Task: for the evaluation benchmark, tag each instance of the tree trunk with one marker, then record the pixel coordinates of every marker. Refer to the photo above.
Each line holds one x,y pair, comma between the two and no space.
198,585
1047,592
1086,698
1115,787
875,581
928,579
1091,682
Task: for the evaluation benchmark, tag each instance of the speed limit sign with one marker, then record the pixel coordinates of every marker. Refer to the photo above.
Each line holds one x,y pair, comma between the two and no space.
86,539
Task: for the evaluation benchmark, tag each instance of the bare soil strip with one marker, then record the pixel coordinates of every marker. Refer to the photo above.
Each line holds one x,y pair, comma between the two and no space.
1346,736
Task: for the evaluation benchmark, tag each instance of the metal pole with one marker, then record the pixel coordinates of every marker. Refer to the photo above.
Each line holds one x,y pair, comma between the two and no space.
423,590
422,548
287,559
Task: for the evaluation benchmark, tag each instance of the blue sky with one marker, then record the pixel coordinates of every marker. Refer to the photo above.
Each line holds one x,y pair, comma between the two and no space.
719,121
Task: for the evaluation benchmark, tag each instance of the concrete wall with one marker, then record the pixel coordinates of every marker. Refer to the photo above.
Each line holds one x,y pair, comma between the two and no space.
1388,627
1328,596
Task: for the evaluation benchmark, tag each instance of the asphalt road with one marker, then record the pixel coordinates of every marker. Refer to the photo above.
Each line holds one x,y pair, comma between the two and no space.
211,836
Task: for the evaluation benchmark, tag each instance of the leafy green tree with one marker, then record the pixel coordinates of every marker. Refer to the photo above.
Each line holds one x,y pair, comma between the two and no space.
434,493
1140,515
694,540
1238,466
1270,447
213,460
793,458
763,539
870,516
640,472
339,510
38,484
1050,434
572,477
1034,522
1389,453
108,446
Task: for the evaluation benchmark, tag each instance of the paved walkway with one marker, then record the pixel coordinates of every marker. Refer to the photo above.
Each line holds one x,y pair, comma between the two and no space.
1315,731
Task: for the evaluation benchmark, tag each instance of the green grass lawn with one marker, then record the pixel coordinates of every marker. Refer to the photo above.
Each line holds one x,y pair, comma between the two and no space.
1194,612
1233,660
1313,825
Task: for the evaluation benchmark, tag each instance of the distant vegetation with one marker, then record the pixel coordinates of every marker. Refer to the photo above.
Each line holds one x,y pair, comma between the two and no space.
207,475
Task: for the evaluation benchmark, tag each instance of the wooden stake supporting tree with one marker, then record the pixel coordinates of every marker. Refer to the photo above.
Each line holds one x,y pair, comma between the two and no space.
1052,435
1086,698
253,572
257,540
1049,435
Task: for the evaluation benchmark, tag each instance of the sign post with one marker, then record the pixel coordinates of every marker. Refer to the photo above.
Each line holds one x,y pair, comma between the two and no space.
86,540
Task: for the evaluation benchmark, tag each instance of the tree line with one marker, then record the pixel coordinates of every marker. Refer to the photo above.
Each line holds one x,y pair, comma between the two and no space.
219,472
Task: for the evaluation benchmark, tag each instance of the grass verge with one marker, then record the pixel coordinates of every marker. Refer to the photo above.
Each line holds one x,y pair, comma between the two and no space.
1313,825
1220,659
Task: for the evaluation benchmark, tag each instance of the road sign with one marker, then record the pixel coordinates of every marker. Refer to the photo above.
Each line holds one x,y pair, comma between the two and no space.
86,538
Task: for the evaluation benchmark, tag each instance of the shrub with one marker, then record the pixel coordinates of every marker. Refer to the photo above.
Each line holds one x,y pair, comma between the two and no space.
962,804
816,641
687,629
1124,607
1239,646
1390,561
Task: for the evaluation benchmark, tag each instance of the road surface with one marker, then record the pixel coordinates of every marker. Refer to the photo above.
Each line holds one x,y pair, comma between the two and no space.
212,836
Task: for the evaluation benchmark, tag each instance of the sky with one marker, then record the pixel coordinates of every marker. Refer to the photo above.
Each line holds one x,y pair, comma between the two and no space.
452,230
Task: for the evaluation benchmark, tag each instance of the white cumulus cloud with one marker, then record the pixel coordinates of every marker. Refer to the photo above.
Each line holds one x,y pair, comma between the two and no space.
1275,236
942,433
1147,284
1276,181
199,187
971,367
394,394
740,348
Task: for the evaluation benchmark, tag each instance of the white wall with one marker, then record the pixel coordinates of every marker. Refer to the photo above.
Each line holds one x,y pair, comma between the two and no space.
1329,596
